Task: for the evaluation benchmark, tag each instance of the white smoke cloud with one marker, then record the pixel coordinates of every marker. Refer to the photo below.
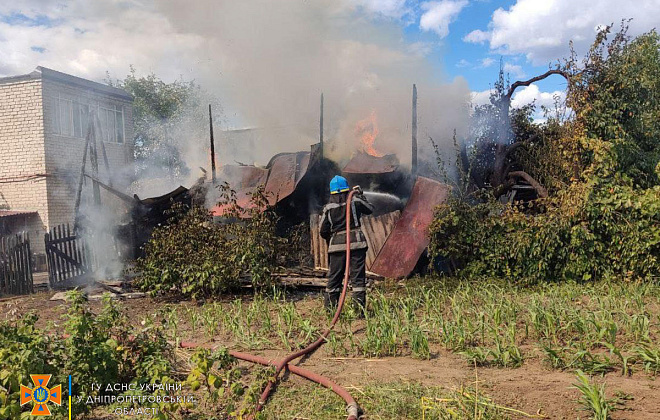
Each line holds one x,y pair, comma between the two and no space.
266,61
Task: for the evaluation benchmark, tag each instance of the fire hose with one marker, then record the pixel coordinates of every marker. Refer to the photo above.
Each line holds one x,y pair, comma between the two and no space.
352,407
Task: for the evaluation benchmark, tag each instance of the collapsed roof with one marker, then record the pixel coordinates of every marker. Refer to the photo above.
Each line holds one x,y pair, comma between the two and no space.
280,178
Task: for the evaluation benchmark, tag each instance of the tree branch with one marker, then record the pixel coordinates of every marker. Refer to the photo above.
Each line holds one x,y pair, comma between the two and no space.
540,190
519,83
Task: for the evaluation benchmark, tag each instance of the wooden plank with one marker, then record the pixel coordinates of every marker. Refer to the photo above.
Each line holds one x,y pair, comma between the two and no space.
12,267
58,262
3,266
20,269
74,264
29,264
377,229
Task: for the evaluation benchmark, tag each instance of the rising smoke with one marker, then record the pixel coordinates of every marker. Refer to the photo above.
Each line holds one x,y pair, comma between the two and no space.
268,62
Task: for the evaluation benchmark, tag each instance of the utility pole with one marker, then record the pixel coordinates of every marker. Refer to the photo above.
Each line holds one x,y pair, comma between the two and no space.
321,126
414,132
94,158
212,146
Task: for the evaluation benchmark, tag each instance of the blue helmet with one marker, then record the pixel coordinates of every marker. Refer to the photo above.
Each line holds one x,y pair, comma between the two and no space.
338,184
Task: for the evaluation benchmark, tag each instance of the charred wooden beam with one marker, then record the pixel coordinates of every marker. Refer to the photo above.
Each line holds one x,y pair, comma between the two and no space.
212,146
414,132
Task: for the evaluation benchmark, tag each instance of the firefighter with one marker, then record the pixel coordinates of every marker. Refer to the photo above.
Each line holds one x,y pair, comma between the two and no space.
333,230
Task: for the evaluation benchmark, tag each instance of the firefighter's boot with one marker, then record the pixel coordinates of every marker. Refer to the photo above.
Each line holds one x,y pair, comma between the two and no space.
331,300
360,301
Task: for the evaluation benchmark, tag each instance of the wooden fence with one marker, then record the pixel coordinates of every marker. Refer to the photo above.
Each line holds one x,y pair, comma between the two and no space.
376,229
68,255
16,265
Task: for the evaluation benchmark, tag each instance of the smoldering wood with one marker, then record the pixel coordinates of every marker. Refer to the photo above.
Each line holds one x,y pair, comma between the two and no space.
500,177
213,179
76,207
321,128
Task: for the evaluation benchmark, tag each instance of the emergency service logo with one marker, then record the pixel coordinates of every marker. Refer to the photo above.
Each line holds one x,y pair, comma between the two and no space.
41,395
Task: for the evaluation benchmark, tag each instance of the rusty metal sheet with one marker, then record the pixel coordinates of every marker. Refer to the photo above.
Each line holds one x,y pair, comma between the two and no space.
409,238
284,172
280,177
241,177
363,163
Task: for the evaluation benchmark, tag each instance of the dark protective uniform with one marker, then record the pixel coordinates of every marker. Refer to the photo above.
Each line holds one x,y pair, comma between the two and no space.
333,230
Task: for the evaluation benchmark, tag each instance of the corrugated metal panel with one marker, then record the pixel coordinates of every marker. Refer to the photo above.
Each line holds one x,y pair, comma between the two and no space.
285,171
376,229
281,177
409,238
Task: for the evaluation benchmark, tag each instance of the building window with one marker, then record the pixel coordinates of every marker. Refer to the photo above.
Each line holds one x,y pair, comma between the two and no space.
70,118
112,124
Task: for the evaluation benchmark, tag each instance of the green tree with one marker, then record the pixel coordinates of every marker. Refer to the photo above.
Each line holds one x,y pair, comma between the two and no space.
165,115
603,218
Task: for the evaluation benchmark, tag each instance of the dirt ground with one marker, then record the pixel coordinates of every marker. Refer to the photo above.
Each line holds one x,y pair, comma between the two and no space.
531,388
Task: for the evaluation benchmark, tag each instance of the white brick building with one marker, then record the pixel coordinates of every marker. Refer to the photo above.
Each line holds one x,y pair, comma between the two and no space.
43,123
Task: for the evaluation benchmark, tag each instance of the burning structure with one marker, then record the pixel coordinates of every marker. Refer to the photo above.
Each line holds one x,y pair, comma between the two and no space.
297,185
70,138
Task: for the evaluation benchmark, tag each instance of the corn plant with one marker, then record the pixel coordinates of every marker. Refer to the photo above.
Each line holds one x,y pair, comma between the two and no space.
592,398
649,357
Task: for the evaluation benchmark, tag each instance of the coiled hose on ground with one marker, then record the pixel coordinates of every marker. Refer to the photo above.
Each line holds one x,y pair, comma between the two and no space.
352,408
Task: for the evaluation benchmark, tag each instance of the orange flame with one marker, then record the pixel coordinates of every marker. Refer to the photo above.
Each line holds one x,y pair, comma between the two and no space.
367,131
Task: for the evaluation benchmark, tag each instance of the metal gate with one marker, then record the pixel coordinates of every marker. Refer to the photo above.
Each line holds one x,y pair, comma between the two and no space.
16,265
67,254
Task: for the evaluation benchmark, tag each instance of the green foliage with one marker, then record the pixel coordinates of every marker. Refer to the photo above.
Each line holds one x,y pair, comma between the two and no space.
193,256
164,116
97,348
603,220
616,100
585,232
592,398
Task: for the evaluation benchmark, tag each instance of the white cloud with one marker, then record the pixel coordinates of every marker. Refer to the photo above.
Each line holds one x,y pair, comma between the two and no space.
514,70
525,96
532,94
542,29
477,37
480,97
486,62
439,14
389,8
462,63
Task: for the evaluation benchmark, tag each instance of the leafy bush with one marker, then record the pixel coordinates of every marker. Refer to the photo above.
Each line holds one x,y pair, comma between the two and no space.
194,257
602,222
97,348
